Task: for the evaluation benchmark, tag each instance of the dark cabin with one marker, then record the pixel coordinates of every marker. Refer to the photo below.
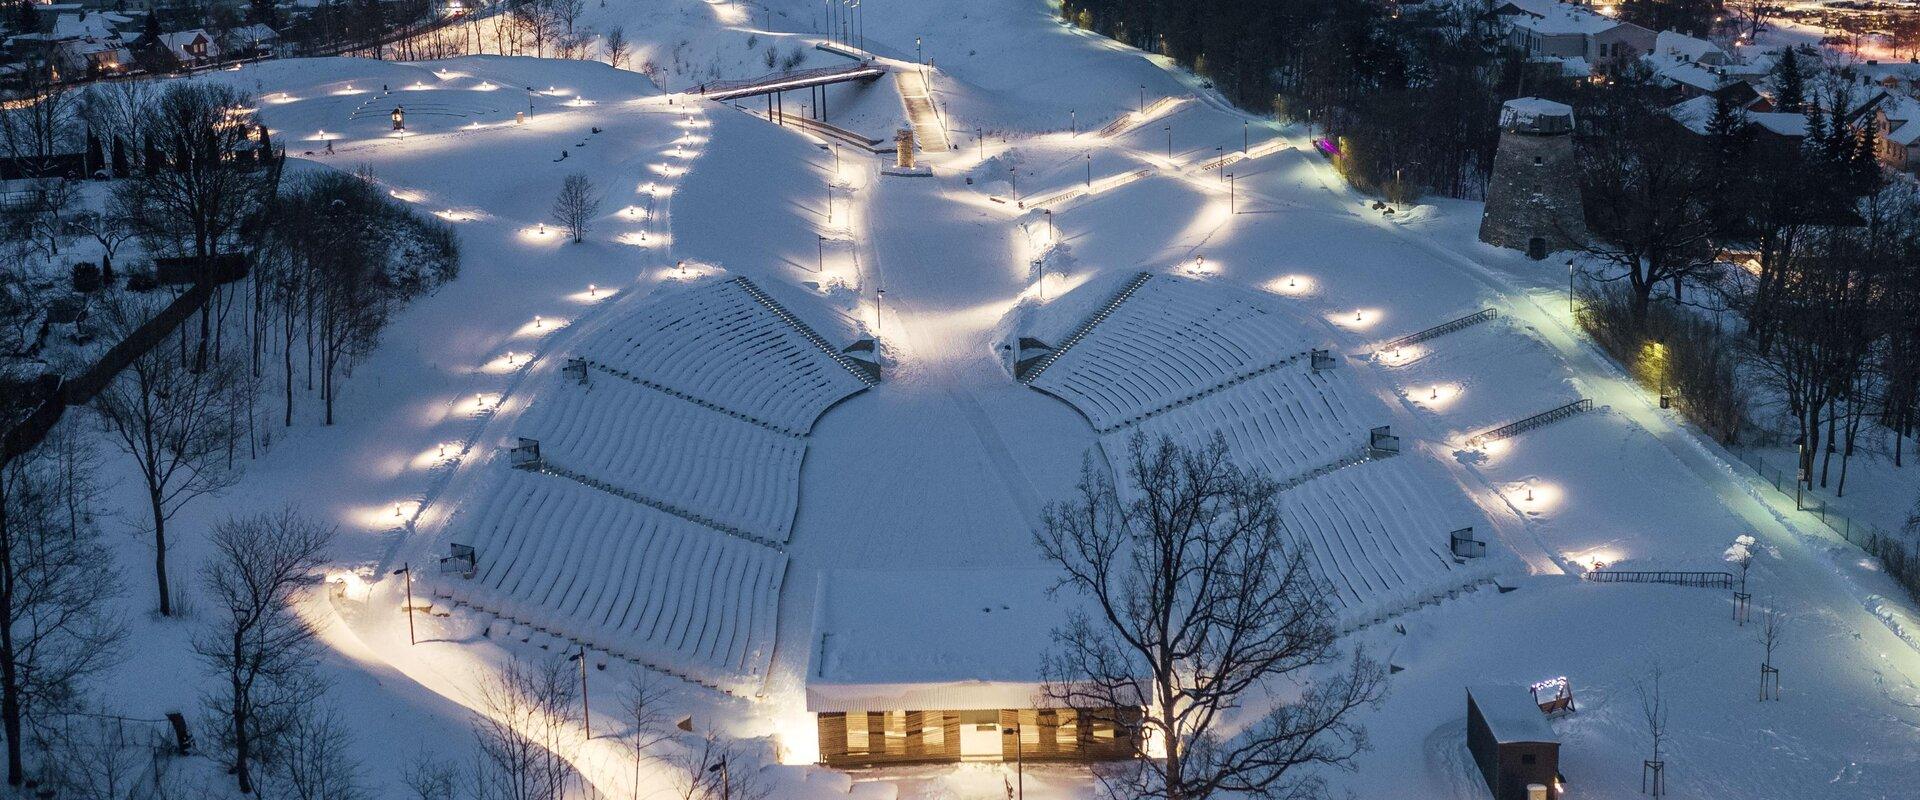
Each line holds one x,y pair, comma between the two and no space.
1512,743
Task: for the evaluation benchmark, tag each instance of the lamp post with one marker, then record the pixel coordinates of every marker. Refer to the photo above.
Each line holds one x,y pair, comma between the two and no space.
1040,280
1049,213
1245,134
879,310
982,142
1569,286
1019,759
1220,161
918,54
407,570
1143,99
1169,130
399,116
726,783
1233,206
820,255
1089,171
1073,122
1015,172
586,712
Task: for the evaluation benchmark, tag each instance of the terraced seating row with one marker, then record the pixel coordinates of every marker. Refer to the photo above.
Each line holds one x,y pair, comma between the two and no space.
1283,422
1171,339
622,577
683,455
718,343
1376,533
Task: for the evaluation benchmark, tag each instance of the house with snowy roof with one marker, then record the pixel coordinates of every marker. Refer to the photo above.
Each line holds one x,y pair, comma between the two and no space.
1690,65
1896,120
1550,30
81,44
944,666
187,49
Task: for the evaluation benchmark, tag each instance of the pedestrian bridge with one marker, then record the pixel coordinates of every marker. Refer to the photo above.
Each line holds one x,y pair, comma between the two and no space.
787,81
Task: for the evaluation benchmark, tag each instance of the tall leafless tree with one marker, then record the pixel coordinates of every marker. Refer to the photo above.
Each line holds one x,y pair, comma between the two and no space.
56,585
524,732
576,205
174,423
206,194
256,642
1196,596
617,47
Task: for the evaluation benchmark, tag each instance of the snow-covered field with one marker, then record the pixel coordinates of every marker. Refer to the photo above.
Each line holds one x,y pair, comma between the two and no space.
708,405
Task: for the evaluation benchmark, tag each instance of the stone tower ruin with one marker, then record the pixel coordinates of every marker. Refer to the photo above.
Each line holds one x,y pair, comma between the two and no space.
1533,199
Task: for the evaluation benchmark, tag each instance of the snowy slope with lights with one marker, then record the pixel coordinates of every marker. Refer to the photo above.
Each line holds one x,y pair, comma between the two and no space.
715,450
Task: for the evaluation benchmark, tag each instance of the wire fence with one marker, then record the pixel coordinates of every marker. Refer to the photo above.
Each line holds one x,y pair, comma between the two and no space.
1899,555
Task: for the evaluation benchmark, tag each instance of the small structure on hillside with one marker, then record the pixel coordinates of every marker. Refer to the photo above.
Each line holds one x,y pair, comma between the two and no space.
944,666
1533,197
903,148
1515,748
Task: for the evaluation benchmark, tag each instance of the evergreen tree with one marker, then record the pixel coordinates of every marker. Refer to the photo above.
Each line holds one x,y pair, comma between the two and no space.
1789,83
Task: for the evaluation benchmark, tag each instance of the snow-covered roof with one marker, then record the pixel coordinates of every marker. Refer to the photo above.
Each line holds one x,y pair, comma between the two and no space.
1551,18
1528,110
177,43
1687,73
1668,44
1781,123
97,25
947,639
1511,713
1903,113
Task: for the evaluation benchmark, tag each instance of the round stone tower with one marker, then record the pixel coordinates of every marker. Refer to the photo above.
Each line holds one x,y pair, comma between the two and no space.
1533,199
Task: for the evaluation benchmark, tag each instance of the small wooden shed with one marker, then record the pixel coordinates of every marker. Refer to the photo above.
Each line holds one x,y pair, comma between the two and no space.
1512,743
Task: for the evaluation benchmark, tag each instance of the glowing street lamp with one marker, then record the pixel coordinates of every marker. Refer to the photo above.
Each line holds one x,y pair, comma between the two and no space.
399,117
407,570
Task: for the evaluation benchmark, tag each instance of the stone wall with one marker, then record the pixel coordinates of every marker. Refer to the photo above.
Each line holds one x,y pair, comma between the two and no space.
1534,193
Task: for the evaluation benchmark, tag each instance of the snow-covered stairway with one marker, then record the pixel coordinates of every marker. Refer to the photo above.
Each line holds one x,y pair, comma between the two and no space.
916,93
1085,328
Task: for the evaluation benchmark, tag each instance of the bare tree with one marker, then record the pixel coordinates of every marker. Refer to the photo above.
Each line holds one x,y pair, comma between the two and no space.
1772,633
99,755
645,705
208,194
314,762
577,205
56,584
1653,711
256,642
617,47
524,733
174,423
36,130
430,779
1197,596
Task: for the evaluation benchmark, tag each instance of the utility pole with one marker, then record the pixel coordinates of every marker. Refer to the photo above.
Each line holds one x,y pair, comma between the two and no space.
586,711
1019,760
407,570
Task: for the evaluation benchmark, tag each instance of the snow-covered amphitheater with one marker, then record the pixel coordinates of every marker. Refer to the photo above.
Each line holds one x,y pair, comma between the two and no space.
1168,356
652,523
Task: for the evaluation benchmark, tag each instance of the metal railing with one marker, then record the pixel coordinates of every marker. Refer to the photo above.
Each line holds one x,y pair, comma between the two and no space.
1516,428
1899,555
1701,580
1442,329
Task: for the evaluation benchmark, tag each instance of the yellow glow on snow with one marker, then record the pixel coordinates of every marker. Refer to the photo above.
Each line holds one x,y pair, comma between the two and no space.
1291,285
1358,319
